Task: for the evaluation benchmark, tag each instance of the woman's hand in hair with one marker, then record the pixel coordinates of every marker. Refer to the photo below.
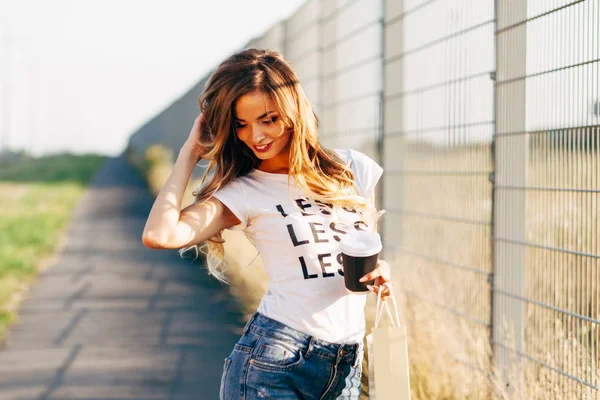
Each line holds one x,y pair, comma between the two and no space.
200,140
381,274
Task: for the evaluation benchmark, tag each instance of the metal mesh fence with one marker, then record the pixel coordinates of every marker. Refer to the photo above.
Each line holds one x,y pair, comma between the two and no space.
546,193
438,161
350,74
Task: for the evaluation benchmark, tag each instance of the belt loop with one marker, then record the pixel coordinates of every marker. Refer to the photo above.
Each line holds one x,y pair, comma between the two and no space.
311,345
252,318
339,354
357,352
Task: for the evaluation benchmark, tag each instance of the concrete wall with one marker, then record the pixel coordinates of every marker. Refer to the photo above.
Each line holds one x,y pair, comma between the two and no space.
169,128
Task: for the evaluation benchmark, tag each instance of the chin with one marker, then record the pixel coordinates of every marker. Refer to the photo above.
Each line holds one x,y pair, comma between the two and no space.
265,157
262,156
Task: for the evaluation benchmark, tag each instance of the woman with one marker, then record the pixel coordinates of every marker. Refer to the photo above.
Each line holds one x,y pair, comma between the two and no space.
269,176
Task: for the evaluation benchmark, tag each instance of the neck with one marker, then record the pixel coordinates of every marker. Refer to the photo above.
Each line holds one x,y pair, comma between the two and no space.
277,165
280,164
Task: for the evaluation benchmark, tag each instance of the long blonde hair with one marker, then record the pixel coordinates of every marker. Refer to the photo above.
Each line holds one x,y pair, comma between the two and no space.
316,170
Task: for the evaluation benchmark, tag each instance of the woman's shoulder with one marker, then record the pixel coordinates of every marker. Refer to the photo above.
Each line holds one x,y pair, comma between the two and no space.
367,171
254,181
234,185
356,157
344,154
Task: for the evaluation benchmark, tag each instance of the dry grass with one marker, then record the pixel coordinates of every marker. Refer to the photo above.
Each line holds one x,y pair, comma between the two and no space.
246,274
154,165
434,283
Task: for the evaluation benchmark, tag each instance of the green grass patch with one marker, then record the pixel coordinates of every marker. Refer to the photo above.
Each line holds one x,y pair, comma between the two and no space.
54,168
37,198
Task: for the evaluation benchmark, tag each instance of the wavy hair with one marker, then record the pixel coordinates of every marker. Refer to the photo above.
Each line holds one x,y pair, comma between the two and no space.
316,170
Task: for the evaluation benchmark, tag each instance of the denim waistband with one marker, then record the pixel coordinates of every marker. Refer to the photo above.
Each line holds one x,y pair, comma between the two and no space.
262,325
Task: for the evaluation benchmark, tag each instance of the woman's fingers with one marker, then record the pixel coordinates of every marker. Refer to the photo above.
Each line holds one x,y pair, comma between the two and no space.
381,276
385,291
376,273
382,270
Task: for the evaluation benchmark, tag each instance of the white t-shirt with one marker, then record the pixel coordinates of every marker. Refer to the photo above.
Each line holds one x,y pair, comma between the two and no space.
300,250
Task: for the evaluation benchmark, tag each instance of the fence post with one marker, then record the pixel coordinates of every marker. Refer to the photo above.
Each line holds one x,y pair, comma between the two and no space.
511,162
393,152
320,62
380,122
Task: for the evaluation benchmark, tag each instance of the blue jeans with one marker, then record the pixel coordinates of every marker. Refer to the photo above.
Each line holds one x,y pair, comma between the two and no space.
273,361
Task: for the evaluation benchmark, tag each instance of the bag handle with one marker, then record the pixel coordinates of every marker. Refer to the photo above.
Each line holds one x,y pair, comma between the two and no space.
381,305
378,309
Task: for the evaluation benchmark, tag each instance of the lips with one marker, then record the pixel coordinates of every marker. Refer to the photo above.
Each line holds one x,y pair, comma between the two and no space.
262,149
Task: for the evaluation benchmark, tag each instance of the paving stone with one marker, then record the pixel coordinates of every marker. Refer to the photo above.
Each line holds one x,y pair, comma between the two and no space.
26,367
28,392
112,391
61,287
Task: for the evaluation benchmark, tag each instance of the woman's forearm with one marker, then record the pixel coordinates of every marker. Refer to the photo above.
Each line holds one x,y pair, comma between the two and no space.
165,212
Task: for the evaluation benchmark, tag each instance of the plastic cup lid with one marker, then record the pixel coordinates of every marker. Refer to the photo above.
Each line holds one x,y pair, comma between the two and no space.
361,243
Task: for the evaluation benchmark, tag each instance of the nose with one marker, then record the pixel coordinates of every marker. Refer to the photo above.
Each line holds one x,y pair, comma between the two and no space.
257,134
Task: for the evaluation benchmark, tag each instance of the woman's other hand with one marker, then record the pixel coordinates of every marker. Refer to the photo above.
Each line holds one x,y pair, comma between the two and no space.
200,140
381,274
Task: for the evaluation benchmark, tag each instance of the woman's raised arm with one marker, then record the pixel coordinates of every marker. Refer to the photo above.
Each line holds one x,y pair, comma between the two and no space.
169,227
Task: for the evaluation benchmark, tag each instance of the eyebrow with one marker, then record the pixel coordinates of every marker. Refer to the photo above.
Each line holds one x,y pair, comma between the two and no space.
259,117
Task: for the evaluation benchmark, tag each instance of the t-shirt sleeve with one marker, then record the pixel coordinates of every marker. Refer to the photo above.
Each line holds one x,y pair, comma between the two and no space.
366,172
232,196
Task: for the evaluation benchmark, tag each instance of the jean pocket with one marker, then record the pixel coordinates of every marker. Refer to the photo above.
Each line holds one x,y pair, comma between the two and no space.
224,378
273,354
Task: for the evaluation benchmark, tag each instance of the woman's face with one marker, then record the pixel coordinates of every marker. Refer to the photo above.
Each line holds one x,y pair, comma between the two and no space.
259,125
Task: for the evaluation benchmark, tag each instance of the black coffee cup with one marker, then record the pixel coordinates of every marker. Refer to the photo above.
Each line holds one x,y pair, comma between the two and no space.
360,252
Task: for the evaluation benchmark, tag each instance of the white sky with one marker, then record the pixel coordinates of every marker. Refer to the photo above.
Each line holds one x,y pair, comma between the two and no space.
85,74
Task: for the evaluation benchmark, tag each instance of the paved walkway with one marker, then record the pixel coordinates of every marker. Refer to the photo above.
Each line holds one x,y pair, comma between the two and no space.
114,320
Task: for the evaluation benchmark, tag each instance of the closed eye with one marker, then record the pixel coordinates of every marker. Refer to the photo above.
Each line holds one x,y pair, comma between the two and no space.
271,121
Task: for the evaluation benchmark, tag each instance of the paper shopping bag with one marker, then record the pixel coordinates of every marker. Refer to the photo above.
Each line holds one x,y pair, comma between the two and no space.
388,357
